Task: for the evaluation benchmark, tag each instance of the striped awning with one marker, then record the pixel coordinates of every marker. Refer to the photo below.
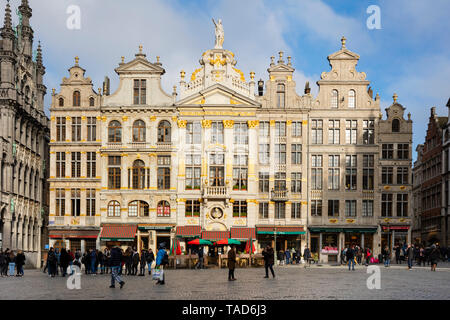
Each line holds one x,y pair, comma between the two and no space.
189,231
118,232
215,235
243,233
73,234
280,230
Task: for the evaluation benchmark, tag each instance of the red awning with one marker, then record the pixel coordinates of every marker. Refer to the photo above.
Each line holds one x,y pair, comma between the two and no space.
189,231
281,229
396,227
215,235
242,233
73,234
118,232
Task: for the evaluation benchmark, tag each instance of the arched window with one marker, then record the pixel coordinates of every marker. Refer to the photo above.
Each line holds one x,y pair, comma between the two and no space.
139,131
91,101
138,174
61,102
351,99
114,131
163,209
138,208
334,98
395,125
164,131
281,94
76,98
114,209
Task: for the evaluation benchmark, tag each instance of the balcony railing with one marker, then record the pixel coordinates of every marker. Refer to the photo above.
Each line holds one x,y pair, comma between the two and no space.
279,195
59,221
164,145
90,221
217,192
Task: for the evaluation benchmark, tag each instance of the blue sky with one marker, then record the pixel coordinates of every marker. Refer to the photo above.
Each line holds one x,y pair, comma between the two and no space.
409,55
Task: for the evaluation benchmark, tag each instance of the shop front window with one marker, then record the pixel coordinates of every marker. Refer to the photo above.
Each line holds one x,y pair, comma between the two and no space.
330,243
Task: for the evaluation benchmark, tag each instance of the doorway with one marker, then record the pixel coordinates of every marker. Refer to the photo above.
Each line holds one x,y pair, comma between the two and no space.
163,239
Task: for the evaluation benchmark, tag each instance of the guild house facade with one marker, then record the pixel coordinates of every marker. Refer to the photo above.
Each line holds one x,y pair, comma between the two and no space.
223,156
24,134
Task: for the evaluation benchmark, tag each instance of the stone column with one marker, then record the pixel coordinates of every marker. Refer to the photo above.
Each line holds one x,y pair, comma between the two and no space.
362,240
83,245
6,243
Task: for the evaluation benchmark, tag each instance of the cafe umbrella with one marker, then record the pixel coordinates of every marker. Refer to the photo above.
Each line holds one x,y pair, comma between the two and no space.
248,248
200,242
227,242
176,248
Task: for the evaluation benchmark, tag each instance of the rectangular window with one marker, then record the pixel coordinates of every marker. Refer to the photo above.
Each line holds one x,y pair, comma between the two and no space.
264,210
280,210
402,205
216,169
350,208
114,164
264,153
75,197
296,182
240,172
296,210
60,129
368,172
387,151
403,151
368,131
316,131
316,172
263,182
280,129
316,208
60,164
91,129
193,133
192,208
387,175
333,208
350,172
280,181
264,128
140,91
217,132
240,133
333,172
193,171
240,209
60,202
386,204
296,128
334,132
296,154
76,129
402,175
350,131
280,154
367,208
163,178
90,202
91,164
76,164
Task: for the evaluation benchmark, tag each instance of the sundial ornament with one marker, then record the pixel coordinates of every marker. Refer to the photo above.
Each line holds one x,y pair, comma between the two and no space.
216,213
220,35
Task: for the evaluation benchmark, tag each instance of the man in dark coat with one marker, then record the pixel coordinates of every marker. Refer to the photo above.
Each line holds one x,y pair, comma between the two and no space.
200,257
231,263
307,256
410,256
350,254
52,262
115,262
268,255
64,261
3,265
397,254
434,257
20,262
135,262
143,263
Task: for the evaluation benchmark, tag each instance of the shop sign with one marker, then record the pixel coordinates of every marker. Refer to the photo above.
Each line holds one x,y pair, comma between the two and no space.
350,220
333,220
154,227
330,250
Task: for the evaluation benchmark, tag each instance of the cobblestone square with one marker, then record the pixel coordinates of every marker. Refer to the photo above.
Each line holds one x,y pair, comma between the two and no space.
291,282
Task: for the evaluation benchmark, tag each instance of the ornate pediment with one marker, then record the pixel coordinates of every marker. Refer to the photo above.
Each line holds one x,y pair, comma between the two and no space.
139,66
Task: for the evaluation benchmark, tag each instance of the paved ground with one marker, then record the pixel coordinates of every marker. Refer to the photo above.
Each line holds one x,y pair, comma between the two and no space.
291,282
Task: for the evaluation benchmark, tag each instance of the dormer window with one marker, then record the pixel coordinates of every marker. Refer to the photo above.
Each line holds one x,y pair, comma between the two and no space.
76,98
91,101
61,102
334,98
281,94
351,98
395,125
140,91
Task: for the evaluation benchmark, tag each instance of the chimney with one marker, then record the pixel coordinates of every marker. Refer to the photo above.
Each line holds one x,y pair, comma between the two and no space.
106,86
433,112
260,87
307,88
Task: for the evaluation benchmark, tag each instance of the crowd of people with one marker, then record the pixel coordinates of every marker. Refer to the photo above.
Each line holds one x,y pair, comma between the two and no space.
11,263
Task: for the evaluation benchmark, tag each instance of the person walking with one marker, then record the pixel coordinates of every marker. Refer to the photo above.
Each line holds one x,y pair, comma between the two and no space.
115,262
93,255
135,262
410,256
386,256
143,263
397,254
280,257
287,254
200,257
128,261
434,257
350,254
307,256
64,262
11,259
268,256
231,263
162,259
3,265
20,262
368,256
52,262
150,258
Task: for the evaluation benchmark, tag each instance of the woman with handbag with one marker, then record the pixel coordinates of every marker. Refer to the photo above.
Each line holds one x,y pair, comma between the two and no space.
162,259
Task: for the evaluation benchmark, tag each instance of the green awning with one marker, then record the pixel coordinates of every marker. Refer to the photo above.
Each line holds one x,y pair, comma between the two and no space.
281,232
347,230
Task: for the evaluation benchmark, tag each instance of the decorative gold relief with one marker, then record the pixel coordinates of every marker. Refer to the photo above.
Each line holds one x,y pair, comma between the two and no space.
182,123
272,123
52,118
288,122
153,118
233,101
206,123
333,221
194,74
304,122
83,118
387,220
272,78
228,124
68,118
253,124
304,202
402,188
124,118
241,74
386,187
350,220
289,78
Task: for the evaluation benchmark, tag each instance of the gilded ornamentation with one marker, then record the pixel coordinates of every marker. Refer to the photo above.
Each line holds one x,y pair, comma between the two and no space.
272,123
240,73
194,74
153,118
228,124
233,101
253,124
206,123
182,123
